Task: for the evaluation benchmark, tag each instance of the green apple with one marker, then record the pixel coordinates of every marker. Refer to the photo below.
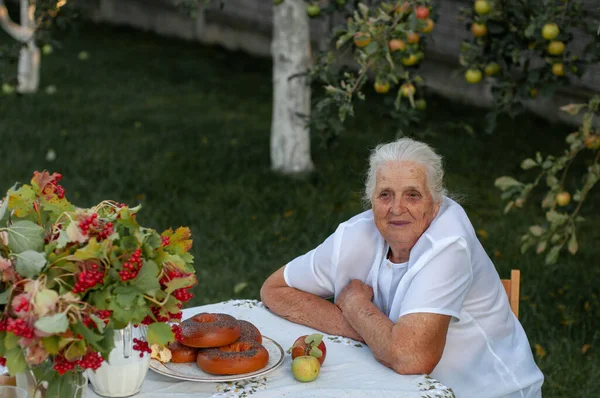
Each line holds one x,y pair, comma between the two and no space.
8,88
306,368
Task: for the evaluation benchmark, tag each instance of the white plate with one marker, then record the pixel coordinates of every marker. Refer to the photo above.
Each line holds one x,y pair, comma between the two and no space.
190,371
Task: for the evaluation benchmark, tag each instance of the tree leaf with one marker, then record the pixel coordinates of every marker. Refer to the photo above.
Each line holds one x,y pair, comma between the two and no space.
53,324
30,263
45,302
25,235
73,234
506,182
573,246
573,109
159,333
555,217
239,287
3,208
536,230
541,247
528,164
552,255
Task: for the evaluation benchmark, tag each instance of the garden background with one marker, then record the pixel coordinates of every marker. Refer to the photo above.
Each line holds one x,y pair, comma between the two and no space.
183,129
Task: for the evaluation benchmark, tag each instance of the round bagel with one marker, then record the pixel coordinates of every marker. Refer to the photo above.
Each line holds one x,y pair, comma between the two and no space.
210,330
239,357
181,353
249,332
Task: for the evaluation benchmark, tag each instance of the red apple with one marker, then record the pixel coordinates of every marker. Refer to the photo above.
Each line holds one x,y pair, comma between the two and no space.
312,345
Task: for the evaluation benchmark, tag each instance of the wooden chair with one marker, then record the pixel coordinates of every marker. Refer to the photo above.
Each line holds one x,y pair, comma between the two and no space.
512,287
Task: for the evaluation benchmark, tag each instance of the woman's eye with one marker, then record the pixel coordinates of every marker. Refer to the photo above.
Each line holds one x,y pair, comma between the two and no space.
384,194
414,195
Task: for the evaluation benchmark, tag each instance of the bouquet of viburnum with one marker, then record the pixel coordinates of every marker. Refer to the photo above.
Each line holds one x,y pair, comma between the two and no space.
70,277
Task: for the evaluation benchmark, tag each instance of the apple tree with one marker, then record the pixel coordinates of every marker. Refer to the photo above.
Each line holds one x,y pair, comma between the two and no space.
36,20
526,48
563,200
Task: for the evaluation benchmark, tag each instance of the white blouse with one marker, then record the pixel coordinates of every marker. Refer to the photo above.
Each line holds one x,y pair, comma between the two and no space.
487,353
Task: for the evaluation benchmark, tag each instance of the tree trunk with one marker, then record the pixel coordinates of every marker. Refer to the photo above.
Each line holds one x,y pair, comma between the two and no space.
290,134
29,58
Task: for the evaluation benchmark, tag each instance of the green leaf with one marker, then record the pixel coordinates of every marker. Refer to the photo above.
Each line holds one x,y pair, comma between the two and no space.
3,208
552,255
50,343
15,361
506,182
90,337
536,230
53,324
315,352
541,247
556,218
25,235
45,302
21,201
314,338
528,164
147,279
75,350
92,250
30,263
11,341
4,296
159,333
239,287
179,283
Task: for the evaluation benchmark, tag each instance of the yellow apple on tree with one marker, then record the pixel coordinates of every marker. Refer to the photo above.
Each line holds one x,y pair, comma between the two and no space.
473,76
362,39
381,87
563,198
479,29
397,45
550,31
482,7
556,47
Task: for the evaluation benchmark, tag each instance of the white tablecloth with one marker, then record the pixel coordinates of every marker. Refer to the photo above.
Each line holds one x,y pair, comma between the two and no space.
349,369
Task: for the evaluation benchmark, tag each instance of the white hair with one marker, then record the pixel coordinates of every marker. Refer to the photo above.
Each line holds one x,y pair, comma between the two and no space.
407,150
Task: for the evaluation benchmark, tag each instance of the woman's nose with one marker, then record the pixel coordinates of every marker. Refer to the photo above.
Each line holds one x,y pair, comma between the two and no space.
398,206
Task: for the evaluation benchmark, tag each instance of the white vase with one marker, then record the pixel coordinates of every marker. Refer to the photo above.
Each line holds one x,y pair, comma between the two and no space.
124,372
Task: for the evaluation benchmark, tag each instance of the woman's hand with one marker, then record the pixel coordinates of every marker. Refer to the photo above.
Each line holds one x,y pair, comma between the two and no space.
354,295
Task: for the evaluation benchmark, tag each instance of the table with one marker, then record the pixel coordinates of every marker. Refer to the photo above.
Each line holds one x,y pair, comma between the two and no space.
348,371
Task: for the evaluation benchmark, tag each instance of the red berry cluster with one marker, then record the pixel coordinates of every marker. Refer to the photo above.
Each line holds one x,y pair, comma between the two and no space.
88,222
2,361
183,294
3,324
165,241
62,366
53,187
107,230
19,327
87,279
141,346
159,318
132,266
176,317
23,305
104,314
91,360
177,332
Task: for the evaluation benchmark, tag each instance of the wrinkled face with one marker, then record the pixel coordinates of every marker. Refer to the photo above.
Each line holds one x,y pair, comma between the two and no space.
402,204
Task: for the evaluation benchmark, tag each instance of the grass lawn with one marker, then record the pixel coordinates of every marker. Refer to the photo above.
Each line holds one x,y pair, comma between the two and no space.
184,130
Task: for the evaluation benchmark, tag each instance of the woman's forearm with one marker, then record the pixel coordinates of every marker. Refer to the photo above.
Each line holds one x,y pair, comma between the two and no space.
307,309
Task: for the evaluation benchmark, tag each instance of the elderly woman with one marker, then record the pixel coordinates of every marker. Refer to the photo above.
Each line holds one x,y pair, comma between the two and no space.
411,279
